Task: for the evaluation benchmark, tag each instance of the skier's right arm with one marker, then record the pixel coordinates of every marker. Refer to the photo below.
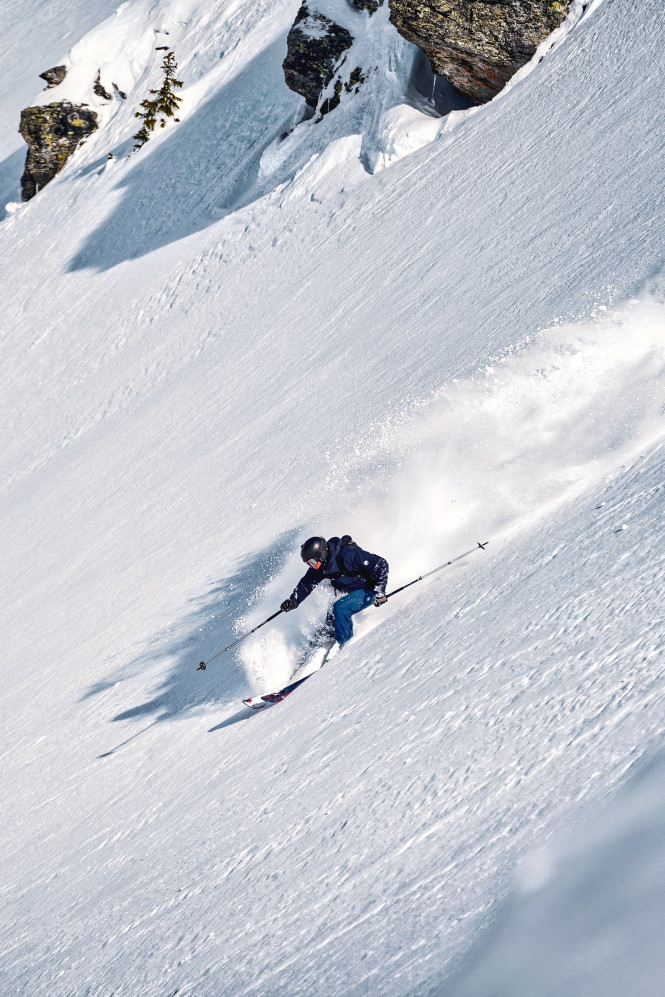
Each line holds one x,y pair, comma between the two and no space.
309,581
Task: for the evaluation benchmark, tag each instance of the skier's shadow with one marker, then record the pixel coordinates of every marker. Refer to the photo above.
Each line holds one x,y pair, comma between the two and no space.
243,714
201,634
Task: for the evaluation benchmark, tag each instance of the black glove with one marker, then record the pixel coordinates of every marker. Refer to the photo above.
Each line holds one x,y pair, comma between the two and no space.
380,598
287,605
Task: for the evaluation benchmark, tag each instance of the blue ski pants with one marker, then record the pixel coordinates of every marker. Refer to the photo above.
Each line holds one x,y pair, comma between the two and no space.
345,608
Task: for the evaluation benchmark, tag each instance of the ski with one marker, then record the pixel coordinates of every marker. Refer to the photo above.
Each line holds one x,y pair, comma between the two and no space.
260,702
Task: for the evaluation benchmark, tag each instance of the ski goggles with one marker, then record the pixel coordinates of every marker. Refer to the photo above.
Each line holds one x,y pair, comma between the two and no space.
313,563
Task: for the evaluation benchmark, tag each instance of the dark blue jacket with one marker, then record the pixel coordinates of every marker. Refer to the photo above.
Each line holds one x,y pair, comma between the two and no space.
348,568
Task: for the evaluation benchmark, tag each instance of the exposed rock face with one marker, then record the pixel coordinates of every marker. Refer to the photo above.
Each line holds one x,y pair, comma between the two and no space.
53,133
370,5
315,46
54,76
477,44
98,88
353,85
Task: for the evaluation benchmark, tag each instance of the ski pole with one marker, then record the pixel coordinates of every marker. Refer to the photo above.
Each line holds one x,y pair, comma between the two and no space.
434,570
202,666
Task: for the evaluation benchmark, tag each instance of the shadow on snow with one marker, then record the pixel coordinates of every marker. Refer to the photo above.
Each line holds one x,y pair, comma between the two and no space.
204,632
10,179
200,172
209,166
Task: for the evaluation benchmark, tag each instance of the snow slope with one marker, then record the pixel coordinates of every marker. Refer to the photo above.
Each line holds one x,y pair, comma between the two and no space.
218,346
598,899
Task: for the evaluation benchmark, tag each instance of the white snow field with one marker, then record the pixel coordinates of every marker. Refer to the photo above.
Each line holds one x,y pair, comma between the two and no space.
587,916
231,340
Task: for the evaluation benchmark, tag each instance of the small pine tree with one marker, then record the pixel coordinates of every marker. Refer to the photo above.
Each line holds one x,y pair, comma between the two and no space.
167,102
149,116
164,105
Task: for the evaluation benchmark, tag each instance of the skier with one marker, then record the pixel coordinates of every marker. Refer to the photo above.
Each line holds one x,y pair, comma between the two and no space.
356,572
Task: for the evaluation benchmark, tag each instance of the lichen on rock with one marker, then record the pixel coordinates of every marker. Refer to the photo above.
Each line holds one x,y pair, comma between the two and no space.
315,46
53,132
477,44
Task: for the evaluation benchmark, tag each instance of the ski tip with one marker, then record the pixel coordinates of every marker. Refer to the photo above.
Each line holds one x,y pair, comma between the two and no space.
253,705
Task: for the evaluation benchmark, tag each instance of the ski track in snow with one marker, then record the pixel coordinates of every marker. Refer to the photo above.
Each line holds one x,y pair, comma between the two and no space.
232,340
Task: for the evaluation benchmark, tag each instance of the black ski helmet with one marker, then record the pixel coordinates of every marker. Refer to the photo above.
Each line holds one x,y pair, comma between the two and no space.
316,548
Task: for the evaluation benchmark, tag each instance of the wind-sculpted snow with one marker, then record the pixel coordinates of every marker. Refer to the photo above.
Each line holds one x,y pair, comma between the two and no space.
219,345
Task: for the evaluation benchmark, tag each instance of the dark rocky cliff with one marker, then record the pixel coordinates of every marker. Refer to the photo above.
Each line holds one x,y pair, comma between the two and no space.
54,76
477,44
371,6
315,46
53,132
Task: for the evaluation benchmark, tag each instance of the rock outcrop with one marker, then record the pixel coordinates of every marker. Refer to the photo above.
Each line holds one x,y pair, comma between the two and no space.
54,76
99,89
53,132
315,47
369,5
477,44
